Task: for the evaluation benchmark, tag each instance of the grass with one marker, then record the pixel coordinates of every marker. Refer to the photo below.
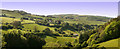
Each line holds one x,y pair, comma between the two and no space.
15,14
110,43
86,22
8,20
27,21
52,44
39,27
91,20
59,40
50,39
62,40
69,31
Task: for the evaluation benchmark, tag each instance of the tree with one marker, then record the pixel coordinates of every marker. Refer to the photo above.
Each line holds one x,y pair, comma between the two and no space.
4,15
5,27
21,19
78,46
35,41
19,32
69,44
36,29
84,44
83,37
16,24
31,18
14,40
47,31
58,22
36,21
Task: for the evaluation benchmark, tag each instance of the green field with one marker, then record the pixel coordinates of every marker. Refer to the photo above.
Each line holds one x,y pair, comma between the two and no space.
86,22
110,43
59,40
8,20
39,27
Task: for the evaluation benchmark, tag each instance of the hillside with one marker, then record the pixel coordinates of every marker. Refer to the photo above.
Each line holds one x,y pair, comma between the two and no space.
105,35
110,43
86,19
70,18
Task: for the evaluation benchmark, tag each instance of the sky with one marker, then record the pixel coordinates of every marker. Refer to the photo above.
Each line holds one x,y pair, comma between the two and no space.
60,0
109,9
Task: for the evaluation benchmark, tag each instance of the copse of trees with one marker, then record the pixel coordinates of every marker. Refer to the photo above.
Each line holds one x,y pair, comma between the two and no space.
4,15
47,31
65,25
58,22
17,24
25,18
77,27
6,27
83,37
34,40
69,44
15,39
22,12
21,19
36,29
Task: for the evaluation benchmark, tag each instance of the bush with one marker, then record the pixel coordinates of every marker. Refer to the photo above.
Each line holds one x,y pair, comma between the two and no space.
84,44
47,31
68,44
5,27
83,37
17,24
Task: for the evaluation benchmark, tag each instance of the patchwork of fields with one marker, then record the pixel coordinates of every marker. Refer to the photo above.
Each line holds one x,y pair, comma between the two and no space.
69,30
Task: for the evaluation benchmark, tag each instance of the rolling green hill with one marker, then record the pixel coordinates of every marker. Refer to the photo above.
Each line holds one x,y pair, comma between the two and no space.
87,19
110,43
106,35
65,30
70,18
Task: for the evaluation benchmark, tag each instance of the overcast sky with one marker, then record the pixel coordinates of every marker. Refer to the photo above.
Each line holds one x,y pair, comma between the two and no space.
109,9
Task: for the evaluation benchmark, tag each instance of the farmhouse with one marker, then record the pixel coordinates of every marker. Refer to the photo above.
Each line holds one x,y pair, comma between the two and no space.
75,34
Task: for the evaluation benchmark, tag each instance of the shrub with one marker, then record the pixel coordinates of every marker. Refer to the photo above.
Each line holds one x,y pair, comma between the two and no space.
84,44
